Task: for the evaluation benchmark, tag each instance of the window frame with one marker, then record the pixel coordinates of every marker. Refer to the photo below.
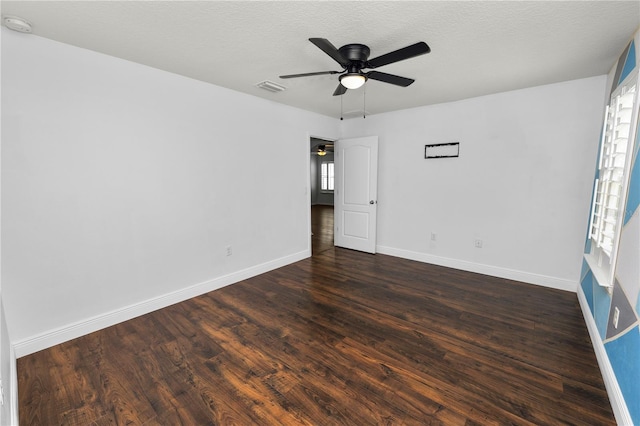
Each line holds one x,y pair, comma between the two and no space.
330,176
611,188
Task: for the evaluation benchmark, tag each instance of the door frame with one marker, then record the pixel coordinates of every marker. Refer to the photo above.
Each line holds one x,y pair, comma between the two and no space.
307,157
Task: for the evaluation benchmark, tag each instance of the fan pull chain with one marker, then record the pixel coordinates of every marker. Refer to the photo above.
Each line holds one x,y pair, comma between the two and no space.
364,102
341,118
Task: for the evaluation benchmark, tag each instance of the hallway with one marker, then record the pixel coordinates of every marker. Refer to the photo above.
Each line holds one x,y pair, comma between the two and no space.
321,228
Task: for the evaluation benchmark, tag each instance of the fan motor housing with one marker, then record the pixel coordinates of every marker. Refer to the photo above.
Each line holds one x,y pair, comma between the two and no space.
355,52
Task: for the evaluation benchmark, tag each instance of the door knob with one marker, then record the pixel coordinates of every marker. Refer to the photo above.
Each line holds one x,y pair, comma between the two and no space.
371,202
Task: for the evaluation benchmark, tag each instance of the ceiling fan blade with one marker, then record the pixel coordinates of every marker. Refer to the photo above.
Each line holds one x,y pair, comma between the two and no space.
414,50
309,74
328,48
340,90
390,78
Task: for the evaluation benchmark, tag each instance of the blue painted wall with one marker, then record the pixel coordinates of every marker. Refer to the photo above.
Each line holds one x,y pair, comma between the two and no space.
622,344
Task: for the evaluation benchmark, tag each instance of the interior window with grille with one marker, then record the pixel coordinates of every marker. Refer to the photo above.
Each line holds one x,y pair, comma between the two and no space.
326,176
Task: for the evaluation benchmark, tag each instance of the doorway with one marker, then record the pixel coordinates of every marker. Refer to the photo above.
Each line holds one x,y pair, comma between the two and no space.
321,228
322,190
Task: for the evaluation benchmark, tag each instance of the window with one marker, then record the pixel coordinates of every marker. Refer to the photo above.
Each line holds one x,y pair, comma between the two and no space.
610,189
326,176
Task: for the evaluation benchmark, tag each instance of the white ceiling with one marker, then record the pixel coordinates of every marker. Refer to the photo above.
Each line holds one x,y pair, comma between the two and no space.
478,47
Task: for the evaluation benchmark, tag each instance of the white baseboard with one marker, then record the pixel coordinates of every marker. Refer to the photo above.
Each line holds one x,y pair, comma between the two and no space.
62,334
495,271
13,398
618,404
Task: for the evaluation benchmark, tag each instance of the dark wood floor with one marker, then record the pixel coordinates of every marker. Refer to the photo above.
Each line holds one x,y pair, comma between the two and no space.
321,228
342,338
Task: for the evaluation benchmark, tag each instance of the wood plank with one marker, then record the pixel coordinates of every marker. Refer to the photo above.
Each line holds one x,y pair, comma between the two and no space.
341,338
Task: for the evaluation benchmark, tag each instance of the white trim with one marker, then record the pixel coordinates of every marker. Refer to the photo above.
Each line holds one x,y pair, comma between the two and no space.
307,189
496,271
62,334
618,404
598,272
13,373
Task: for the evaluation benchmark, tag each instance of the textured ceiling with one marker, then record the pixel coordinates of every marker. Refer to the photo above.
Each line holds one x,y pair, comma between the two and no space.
478,47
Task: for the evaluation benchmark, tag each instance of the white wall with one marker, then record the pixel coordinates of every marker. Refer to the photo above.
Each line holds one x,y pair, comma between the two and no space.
122,183
522,182
319,197
7,365
313,169
8,372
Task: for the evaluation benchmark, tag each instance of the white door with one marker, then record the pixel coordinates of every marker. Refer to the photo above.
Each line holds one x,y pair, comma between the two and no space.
356,189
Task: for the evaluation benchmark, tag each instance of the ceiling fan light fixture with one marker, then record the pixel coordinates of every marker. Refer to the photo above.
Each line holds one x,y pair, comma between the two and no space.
354,60
352,80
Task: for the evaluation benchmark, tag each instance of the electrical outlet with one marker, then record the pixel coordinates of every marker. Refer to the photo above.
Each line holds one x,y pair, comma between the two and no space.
229,251
616,317
477,243
434,237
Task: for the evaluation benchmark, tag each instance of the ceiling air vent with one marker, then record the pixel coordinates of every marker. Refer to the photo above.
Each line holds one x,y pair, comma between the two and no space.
271,86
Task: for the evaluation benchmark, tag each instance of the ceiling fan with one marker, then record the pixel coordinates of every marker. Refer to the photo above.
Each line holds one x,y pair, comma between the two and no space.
354,58
322,149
